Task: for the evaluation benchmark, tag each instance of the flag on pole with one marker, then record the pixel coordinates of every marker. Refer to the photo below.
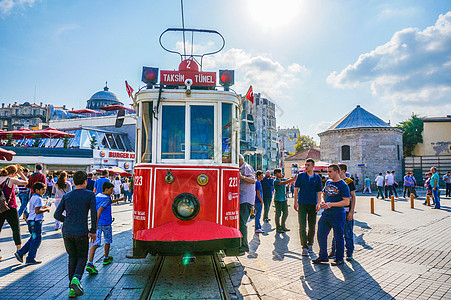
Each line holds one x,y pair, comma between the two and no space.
250,94
129,89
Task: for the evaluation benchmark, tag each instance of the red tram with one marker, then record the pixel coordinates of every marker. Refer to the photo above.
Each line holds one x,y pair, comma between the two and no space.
186,176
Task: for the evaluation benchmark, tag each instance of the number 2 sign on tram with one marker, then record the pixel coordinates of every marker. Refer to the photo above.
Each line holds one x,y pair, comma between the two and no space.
186,187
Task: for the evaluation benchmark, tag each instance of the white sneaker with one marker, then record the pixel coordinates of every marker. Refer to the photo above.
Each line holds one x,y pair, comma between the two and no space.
259,231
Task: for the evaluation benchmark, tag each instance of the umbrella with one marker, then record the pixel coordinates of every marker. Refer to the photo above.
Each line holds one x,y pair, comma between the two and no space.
84,111
116,171
6,154
49,133
15,134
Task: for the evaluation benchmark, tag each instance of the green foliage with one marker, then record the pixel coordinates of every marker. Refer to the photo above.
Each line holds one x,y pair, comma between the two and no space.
304,142
413,128
93,142
9,139
66,140
36,142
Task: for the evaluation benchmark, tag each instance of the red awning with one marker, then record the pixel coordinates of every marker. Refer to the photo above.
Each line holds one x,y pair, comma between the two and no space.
84,111
49,133
116,171
30,134
115,107
6,154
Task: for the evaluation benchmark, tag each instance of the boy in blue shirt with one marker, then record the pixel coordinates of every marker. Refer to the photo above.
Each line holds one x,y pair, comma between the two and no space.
336,196
99,182
34,220
258,201
104,220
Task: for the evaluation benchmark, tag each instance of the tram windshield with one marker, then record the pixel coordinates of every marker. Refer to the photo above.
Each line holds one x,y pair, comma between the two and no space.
202,131
173,132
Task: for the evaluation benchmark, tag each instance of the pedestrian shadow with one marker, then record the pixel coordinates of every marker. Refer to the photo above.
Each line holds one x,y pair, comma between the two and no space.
267,228
320,281
253,246
363,225
360,241
280,246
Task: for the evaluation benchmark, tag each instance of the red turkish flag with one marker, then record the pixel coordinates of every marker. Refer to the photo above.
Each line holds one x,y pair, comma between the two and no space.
250,94
129,89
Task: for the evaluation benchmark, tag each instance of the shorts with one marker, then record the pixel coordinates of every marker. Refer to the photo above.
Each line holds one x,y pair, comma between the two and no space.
107,234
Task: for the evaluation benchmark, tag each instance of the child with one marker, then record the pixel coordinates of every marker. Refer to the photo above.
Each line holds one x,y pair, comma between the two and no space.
34,220
76,236
104,220
280,200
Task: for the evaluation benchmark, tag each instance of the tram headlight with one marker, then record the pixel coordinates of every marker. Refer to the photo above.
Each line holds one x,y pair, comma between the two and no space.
185,206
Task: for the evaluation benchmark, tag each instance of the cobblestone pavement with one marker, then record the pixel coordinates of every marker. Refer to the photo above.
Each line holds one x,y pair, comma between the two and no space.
401,254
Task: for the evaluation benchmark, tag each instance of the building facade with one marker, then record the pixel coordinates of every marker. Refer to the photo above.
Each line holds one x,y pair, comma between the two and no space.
364,142
258,139
288,139
26,115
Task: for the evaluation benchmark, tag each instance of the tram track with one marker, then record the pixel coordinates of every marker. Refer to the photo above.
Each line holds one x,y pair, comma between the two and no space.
171,279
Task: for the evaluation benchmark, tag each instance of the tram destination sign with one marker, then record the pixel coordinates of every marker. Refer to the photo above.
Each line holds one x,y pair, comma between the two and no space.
179,78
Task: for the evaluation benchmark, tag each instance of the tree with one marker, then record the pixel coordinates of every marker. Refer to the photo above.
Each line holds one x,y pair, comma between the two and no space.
36,142
93,142
66,140
304,142
413,128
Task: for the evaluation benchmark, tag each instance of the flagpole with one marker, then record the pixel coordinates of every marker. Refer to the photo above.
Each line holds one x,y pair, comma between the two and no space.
244,98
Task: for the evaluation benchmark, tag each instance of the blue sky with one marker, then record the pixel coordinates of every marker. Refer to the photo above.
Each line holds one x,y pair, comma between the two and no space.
316,59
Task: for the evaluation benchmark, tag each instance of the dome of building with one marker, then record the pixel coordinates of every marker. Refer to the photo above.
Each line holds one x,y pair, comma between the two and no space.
359,118
103,98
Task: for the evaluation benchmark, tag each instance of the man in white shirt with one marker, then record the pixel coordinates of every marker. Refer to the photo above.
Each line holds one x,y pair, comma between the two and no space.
389,181
380,186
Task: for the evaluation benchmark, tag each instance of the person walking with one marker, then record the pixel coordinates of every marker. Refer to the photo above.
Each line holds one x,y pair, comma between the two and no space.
349,223
414,191
91,182
366,185
8,182
37,176
427,185
99,182
258,201
336,196
280,200
447,181
247,199
117,187
34,220
407,185
307,192
435,187
389,182
50,184
24,196
395,184
61,188
127,191
76,205
267,188
380,186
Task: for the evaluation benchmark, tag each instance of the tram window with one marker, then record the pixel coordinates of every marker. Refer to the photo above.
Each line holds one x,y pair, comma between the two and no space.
202,132
146,152
226,133
173,132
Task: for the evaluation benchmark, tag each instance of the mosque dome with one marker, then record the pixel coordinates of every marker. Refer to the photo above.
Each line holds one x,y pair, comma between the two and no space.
103,98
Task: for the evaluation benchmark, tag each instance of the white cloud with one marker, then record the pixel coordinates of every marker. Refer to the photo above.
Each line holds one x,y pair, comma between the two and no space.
6,6
66,28
411,70
262,72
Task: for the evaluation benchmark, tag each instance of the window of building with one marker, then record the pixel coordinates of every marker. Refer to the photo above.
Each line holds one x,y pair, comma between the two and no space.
399,152
226,133
173,132
34,112
345,152
202,131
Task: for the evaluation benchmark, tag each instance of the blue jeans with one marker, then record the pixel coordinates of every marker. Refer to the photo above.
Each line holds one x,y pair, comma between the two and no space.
128,196
349,238
436,198
32,245
24,198
258,214
325,224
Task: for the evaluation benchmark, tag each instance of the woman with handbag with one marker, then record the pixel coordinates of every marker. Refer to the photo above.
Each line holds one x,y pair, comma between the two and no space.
60,188
8,205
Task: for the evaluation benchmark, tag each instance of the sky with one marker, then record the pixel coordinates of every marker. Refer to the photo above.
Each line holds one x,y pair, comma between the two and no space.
316,59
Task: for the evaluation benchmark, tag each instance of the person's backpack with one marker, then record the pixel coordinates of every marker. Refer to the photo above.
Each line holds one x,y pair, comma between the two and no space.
3,201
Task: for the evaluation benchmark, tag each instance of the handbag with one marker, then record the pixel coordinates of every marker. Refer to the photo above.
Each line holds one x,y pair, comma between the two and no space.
3,201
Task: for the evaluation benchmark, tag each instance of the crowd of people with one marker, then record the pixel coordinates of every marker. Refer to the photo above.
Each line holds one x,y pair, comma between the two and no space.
74,197
334,195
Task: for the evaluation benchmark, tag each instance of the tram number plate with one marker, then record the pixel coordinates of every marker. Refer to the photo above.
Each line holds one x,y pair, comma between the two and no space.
138,180
233,181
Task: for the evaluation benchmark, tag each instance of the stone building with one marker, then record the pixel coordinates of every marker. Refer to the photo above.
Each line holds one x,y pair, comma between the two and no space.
26,115
364,142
